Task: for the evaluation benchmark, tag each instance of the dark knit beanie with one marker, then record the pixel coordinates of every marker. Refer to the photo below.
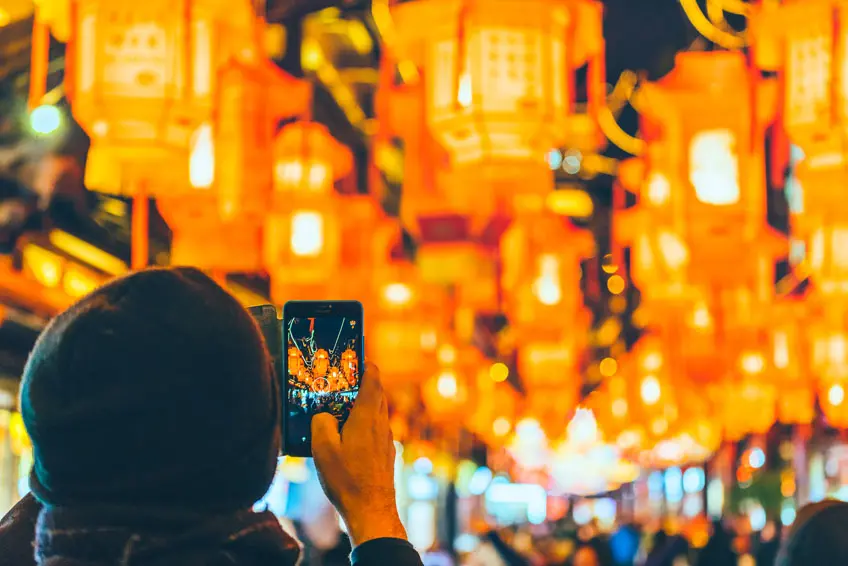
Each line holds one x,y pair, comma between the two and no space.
154,390
819,536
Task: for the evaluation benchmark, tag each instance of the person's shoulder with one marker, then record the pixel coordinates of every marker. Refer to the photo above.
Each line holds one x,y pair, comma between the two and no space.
17,531
396,552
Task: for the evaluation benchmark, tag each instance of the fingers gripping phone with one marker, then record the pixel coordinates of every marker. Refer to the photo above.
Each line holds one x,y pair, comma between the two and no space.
321,354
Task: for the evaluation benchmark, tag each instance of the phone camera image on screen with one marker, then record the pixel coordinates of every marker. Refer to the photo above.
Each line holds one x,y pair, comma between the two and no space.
322,371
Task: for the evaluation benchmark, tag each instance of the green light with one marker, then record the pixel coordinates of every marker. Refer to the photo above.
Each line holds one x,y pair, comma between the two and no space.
45,120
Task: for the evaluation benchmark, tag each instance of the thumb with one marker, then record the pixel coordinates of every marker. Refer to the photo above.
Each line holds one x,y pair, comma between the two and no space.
326,440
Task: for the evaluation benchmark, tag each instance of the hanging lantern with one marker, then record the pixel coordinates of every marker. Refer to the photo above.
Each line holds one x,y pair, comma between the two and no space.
540,275
804,41
498,85
218,226
142,80
829,362
302,249
201,239
495,412
368,240
448,394
554,364
407,320
834,404
701,186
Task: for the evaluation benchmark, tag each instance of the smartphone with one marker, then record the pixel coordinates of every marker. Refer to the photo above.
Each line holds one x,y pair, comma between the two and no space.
323,363
272,330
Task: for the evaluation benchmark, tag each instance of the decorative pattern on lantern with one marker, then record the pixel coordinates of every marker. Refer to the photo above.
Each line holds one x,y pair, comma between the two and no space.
540,275
143,80
498,78
701,186
804,41
303,231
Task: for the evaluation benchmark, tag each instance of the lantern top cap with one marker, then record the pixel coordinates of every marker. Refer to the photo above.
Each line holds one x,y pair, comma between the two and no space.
313,141
694,69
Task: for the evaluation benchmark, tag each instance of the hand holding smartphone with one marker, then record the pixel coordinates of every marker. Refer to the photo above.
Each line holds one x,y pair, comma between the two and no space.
320,357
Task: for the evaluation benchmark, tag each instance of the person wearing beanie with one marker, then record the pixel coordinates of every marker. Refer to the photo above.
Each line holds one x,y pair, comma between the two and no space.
154,414
818,536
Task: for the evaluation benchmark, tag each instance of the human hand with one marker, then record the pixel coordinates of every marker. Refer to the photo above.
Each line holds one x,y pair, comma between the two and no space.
357,467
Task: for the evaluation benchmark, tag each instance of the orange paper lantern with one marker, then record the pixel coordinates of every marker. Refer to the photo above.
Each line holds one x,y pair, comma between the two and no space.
143,84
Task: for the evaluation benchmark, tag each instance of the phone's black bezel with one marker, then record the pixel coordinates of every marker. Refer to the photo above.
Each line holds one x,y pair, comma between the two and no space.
308,309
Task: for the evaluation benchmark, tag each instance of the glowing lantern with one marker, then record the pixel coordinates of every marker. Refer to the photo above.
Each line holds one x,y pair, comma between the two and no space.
495,410
202,239
805,41
302,249
834,404
540,274
702,191
408,320
748,407
142,80
368,240
546,366
498,80
446,395
822,224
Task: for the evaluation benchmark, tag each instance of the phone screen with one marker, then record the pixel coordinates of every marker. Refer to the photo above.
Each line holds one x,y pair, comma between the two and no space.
324,357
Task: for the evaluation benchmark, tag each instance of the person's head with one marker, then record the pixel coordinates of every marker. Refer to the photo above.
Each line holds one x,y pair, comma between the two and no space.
819,536
154,390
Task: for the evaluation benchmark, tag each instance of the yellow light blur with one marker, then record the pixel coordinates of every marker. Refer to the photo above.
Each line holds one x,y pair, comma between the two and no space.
650,390
836,395
307,233
498,372
501,426
652,361
753,363
659,189
608,367
447,354
311,55
447,385
397,294
609,266
714,169
359,37
44,265
547,286
78,283
570,202
619,408
616,284
87,253
201,164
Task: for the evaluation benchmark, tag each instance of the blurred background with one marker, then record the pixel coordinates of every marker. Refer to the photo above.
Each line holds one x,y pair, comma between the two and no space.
600,262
